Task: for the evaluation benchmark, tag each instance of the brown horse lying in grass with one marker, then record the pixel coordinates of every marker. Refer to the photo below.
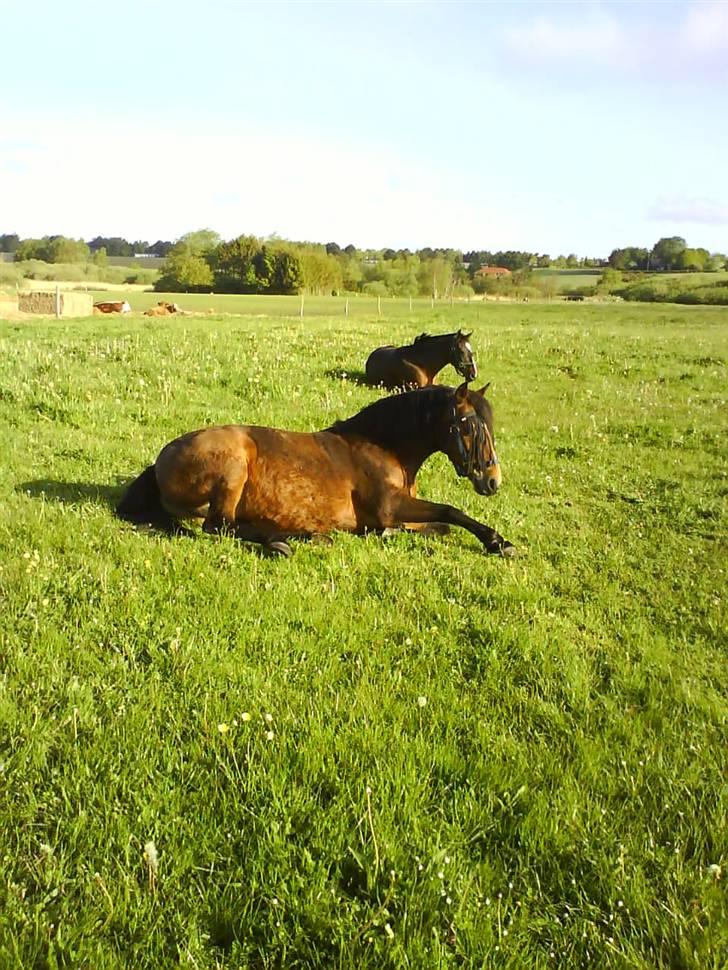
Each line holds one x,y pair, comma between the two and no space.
417,364
264,485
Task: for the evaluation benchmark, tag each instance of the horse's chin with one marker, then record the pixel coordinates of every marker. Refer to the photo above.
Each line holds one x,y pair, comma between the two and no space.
485,486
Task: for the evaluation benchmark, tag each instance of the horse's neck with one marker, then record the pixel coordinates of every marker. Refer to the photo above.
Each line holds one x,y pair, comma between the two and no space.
429,354
405,426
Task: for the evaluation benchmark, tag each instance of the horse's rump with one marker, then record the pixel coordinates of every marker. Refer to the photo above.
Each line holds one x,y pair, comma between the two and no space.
275,481
387,366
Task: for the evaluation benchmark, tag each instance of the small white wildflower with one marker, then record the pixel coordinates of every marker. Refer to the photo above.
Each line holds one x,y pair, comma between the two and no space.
269,735
151,856
447,860
274,901
223,728
620,903
422,701
448,900
441,875
715,870
268,718
245,716
389,931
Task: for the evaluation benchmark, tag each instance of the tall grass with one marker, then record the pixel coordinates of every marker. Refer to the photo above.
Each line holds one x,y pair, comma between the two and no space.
380,753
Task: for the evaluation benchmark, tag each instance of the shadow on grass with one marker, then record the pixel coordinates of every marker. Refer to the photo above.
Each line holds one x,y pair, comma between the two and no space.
357,377
74,493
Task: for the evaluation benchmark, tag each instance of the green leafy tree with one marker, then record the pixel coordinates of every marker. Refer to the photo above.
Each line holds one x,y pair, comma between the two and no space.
198,243
352,274
184,272
693,260
666,251
287,271
64,250
234,265
9,242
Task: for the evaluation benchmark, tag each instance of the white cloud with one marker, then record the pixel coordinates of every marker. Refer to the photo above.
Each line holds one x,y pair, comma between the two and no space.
675,42
142,180
601,38
705,31
681,209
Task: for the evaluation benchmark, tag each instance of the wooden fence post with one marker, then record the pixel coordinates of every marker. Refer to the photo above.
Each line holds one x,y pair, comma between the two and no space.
58,302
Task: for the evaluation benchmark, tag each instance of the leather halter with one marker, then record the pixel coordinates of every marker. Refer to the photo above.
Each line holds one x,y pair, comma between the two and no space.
468,457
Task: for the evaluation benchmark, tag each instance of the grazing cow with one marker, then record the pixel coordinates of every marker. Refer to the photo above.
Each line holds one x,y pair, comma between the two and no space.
121,306
162,309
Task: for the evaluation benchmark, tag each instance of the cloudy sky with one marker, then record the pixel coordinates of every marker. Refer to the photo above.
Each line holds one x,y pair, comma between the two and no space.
554,127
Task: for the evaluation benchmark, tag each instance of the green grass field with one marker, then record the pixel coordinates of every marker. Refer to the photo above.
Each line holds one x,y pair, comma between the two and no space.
382,753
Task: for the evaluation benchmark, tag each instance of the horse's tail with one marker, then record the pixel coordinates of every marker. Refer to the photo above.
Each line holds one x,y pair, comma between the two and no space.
142,502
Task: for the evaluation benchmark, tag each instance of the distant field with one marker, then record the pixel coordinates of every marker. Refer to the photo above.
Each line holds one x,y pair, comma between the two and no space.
377,754
569,279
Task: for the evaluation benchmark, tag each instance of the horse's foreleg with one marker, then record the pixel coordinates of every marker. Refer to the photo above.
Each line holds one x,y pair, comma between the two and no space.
405,508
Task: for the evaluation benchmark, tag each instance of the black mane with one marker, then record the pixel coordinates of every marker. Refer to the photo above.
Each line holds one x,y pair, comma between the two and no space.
393,420
434,336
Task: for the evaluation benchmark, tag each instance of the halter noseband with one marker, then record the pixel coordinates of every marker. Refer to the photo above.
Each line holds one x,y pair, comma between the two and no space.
479,432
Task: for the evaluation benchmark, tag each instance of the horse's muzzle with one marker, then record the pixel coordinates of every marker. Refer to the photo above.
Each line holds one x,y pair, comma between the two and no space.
487,485
470,372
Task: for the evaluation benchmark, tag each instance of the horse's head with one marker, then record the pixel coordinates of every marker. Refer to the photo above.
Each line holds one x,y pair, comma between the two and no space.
470,445
461,356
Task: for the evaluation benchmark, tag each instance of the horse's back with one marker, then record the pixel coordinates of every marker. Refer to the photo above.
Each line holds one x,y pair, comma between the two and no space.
388,366
287,481
379,363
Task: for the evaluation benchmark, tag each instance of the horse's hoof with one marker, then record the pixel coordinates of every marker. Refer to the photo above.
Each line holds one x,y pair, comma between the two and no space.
390,533
501,547
321,539
277,548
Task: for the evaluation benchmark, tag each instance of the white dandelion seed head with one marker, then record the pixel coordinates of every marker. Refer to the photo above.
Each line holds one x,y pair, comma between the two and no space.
151,855
422,701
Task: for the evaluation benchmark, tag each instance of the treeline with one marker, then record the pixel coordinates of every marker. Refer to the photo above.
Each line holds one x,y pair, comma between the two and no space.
201,261
62,249
670,254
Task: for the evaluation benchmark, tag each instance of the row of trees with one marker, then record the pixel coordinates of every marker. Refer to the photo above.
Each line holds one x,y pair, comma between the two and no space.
671,253
62,249
202,261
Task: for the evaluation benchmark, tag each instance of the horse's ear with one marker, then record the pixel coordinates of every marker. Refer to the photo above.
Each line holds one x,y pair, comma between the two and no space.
467,335
461,394
483,389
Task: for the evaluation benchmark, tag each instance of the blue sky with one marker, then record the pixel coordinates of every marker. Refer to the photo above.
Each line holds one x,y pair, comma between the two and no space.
553,127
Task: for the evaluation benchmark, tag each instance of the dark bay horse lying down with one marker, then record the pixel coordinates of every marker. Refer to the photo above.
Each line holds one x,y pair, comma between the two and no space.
417,364
265,486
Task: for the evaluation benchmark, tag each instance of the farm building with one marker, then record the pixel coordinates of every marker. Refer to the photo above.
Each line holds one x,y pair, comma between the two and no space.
493,271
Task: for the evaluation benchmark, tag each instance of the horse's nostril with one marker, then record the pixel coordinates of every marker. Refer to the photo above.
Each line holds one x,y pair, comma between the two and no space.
492,485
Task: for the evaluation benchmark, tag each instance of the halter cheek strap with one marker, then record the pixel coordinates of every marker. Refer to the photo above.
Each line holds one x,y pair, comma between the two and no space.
468,457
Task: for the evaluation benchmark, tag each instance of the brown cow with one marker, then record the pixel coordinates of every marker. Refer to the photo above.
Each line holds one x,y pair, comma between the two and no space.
120,306
162,309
